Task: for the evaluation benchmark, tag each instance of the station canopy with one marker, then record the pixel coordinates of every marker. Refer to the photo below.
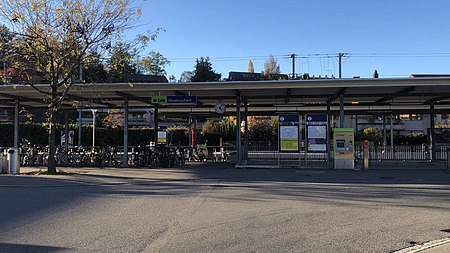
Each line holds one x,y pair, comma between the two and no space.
402,95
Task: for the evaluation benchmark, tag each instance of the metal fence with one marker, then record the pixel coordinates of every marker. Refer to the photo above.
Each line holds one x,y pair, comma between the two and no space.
404,152
266,153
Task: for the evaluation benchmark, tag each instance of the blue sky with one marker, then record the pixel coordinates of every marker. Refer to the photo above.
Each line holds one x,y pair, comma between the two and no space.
253,30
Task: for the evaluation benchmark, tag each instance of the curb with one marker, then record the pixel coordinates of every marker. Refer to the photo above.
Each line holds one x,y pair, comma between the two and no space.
426,246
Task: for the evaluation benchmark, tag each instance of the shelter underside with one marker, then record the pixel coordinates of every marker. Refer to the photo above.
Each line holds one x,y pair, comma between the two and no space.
263,97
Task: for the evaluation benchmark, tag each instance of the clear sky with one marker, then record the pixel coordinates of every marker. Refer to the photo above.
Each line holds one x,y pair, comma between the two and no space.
232,32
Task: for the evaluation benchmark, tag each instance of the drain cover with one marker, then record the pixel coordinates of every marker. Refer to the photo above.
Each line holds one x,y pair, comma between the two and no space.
446,230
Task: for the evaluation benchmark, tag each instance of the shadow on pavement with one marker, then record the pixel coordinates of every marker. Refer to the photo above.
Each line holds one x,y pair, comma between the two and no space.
23,248
23,198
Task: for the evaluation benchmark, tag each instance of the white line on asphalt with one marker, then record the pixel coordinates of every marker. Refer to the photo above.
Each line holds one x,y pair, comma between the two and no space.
424,246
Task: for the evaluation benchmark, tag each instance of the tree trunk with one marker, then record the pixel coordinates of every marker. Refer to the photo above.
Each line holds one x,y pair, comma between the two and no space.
51,166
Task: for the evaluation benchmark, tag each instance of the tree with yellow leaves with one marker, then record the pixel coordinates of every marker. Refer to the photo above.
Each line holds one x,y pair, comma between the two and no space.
54,37
251,69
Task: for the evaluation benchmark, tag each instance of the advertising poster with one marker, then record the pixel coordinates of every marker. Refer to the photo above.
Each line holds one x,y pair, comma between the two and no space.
316,130
288,133
162,137
317,138
289,138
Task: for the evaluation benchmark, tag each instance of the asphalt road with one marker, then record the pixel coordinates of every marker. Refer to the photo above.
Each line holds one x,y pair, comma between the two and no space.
216,208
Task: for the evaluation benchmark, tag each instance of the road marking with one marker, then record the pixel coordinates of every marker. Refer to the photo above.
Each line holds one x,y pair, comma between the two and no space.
424,246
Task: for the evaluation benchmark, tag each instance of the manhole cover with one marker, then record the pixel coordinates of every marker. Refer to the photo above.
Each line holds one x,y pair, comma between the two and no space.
446,230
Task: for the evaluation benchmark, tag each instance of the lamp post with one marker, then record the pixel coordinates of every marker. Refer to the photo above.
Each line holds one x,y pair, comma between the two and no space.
93,127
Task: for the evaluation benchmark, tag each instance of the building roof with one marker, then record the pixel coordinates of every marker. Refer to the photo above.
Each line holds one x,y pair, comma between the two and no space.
247,76
402,95
429,76
137,78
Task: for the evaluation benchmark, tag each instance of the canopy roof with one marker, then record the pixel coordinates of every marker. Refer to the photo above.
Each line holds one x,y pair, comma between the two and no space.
406,95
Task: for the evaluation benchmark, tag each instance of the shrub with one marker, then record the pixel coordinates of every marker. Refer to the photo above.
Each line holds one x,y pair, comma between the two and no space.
212,131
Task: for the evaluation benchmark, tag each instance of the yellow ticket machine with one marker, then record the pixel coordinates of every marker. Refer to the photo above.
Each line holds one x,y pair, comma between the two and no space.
344,148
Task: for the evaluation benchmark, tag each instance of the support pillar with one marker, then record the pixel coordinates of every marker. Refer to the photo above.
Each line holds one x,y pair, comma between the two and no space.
66,134
238,129
94,111
329,155
246,132
384,131
190,132
80,126
155,123
194,133
16,122
125,133
391,122
341,111
432,133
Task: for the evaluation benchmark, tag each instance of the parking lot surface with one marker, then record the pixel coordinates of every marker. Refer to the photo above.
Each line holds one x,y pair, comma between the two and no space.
217,208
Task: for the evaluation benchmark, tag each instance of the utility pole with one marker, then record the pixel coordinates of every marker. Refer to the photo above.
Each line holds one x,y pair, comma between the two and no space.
293,66
340,55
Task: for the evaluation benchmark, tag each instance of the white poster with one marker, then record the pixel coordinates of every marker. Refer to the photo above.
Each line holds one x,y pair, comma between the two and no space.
317,138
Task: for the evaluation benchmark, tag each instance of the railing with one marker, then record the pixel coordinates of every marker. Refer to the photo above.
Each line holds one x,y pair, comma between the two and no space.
404,152
266,153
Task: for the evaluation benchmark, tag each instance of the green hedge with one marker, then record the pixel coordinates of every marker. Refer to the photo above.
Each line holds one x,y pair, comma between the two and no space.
38,134
376,135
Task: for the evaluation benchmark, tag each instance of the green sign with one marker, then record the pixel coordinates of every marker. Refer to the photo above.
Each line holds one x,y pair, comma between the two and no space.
159,99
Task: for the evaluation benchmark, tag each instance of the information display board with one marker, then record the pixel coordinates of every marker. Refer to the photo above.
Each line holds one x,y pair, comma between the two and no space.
288,133
162,134
316,132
